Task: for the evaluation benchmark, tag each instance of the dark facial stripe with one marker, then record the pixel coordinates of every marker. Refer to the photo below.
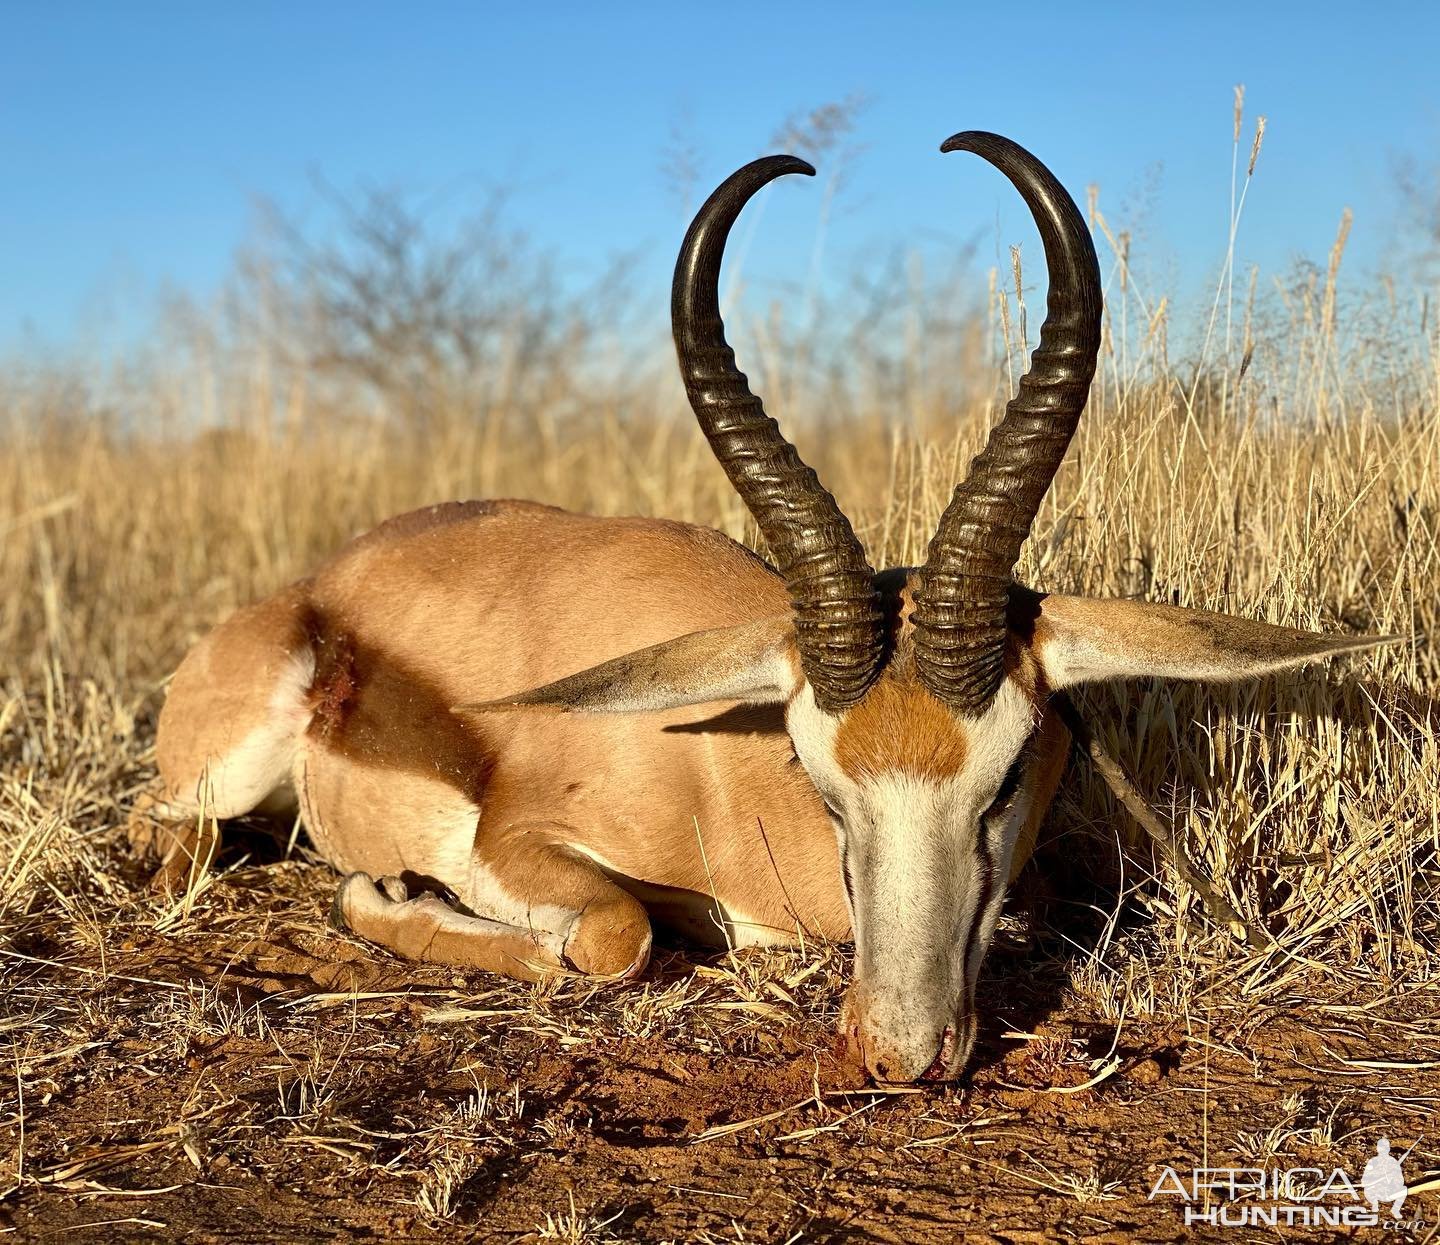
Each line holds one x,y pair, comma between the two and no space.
985,863
986,868
1009,785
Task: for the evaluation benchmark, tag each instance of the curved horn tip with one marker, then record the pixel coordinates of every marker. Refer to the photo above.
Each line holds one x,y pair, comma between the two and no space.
782,164
982,143
831,583
973,140
960,601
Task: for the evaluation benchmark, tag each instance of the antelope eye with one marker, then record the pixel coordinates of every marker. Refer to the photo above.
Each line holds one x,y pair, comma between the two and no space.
828,798
1009,785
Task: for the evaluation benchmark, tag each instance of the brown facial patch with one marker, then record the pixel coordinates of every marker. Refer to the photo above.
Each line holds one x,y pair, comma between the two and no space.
900,727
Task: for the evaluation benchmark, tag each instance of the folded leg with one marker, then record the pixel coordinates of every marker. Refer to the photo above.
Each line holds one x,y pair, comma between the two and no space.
537,909
430,930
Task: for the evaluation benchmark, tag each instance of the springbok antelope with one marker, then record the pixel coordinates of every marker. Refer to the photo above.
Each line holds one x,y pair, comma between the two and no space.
747,753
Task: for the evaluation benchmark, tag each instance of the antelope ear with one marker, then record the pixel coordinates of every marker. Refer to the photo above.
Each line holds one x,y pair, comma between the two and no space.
1082,640
754,662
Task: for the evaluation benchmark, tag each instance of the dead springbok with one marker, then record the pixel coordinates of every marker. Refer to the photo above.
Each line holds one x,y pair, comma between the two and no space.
747,753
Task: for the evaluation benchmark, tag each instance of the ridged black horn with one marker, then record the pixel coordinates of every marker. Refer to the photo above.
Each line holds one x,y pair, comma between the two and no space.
832,587
961,596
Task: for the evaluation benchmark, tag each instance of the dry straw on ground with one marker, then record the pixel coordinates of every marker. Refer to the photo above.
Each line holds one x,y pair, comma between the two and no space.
226,1038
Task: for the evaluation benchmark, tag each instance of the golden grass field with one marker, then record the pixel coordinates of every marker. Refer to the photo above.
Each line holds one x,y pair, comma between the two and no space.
220,1065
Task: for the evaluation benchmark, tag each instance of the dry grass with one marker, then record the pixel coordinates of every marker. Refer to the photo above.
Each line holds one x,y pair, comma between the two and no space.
1295,477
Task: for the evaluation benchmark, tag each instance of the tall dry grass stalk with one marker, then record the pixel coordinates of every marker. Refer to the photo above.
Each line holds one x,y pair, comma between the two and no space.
1300,486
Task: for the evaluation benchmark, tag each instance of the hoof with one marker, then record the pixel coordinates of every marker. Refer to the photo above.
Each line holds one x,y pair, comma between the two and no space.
353,888
393,888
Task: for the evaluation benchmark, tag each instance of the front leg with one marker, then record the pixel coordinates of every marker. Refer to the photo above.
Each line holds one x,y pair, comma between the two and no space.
429,930
539,908
529,875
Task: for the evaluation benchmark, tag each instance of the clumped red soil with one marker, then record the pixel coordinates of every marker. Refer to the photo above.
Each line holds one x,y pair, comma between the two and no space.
246,1074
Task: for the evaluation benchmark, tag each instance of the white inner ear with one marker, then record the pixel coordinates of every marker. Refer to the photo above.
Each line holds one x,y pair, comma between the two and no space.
767,680
1080,640
1071,657
753,663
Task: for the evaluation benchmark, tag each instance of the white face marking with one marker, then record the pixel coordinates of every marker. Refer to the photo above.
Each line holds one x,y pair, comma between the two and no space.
926,861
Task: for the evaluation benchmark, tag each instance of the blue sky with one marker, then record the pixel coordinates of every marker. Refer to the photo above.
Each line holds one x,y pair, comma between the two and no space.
135,137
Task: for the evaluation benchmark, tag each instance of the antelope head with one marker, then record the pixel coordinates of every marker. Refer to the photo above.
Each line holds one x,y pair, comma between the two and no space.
912,696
